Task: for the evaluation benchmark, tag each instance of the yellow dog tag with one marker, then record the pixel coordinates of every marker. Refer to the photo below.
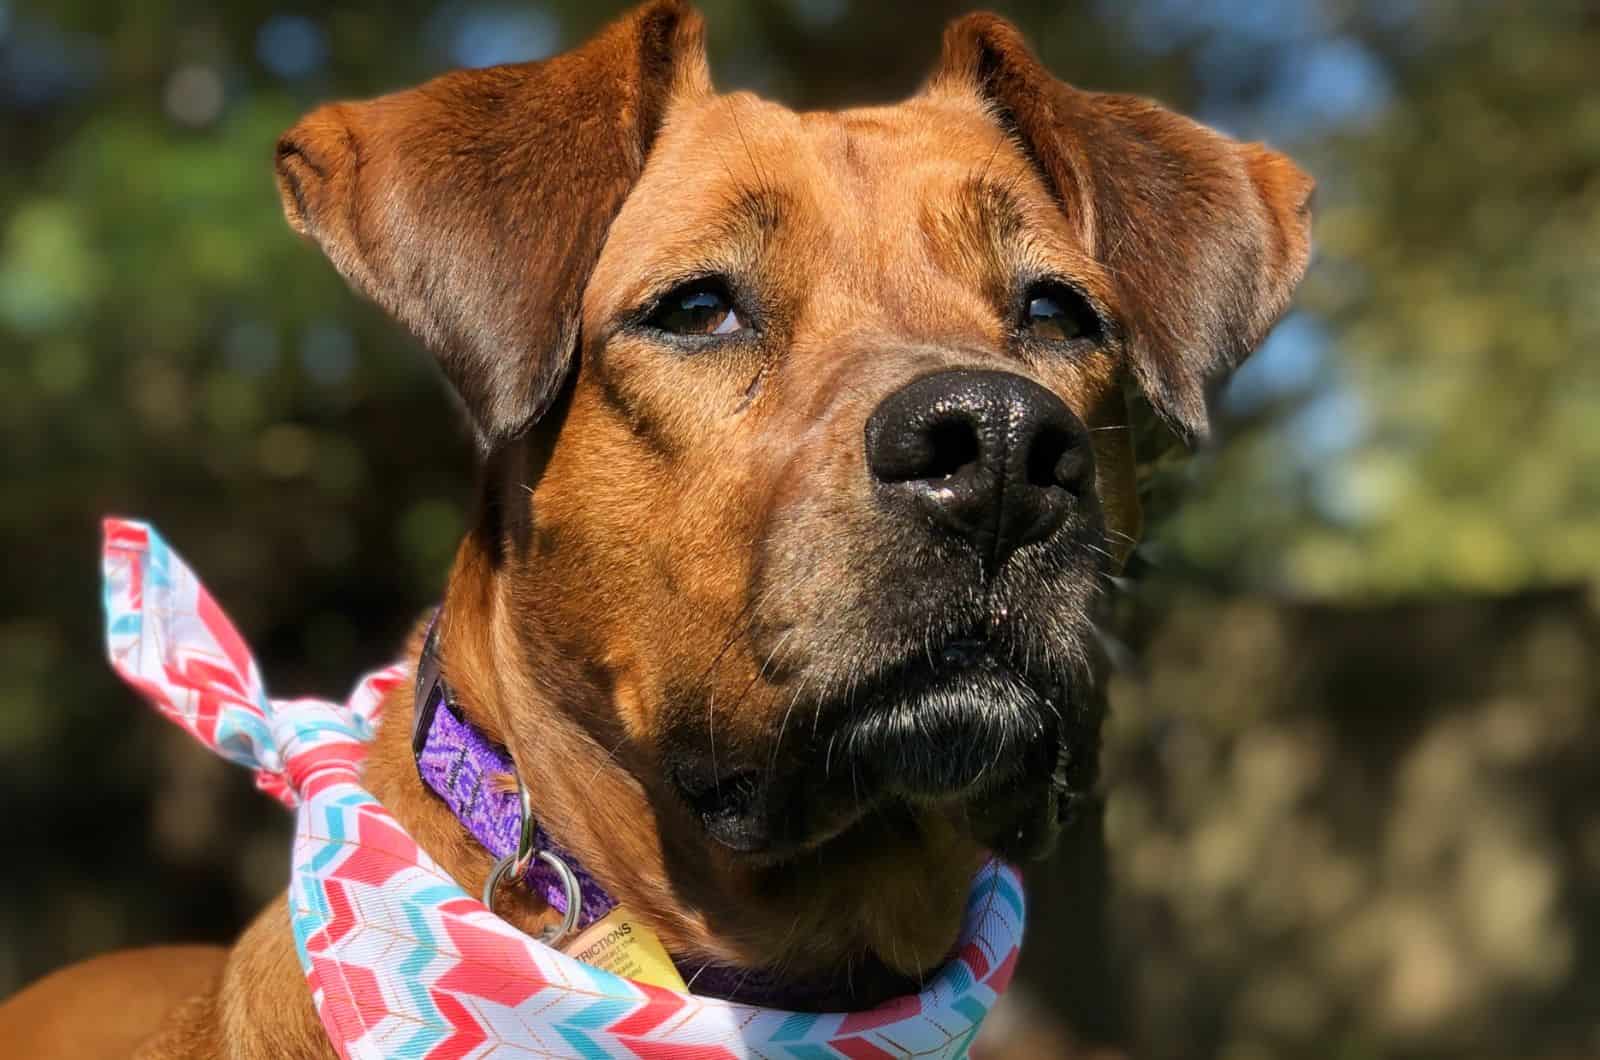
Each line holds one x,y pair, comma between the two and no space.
621,945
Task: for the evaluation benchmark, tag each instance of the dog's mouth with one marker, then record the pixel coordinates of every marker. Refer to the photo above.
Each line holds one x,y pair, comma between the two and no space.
949,726
963,725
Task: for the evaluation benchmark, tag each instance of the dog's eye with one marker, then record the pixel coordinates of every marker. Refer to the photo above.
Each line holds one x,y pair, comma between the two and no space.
1055,312
701,308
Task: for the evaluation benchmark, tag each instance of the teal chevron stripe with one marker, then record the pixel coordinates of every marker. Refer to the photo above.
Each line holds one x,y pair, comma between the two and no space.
584,1047
411,968
308,730
420,1044
971,1008
435,895
110,590
979,895
612,986
302,925
795,1028
244,738
318,912
600,1014
334,844
158,566
959,977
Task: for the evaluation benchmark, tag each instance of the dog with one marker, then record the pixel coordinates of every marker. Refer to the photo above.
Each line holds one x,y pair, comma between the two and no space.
805,461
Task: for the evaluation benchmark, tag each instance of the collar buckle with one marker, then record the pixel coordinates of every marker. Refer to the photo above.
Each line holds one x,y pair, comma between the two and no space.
430,691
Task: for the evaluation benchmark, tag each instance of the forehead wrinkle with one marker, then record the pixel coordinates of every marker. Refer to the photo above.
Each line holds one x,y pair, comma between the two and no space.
896,172
749,216
972,224
973,233
1005,225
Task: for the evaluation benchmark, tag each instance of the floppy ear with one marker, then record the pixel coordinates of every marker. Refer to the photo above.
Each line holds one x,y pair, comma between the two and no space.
1205,238
473,207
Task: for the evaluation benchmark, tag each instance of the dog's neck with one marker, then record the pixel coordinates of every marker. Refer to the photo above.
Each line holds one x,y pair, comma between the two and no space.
612,836
484,790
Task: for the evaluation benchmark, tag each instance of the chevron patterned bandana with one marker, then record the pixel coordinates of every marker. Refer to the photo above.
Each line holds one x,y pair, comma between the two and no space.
401,962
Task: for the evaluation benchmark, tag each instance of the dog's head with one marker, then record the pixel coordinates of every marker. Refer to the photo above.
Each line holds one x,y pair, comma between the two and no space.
805,445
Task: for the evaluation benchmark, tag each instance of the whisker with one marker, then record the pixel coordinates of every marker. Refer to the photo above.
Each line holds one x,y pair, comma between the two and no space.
761,180
611,756
783,726
1117,582
1096,548
990,160
1120,656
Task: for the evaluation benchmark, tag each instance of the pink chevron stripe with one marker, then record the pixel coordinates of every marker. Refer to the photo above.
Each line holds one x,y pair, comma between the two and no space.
316,770
124,536
860,1049
348,995
889,1012
196,668
465,1035
381,850
1001,977
326,780
675,1051
492,966
659,1006
224,634
126,542
973,956
343,919
462,906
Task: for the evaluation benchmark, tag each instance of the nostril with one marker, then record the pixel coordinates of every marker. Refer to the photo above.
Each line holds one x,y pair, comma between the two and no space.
991,457
927,448
952,445
1055,459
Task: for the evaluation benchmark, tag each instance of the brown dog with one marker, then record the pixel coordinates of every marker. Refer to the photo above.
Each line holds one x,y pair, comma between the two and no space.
805,460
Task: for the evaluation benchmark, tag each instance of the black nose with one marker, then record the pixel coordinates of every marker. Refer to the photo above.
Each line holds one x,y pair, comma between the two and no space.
990,456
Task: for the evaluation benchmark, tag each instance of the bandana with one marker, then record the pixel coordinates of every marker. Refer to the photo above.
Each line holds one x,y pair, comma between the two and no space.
401,962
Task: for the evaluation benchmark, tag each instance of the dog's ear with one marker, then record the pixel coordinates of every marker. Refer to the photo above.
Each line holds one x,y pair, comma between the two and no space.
1205,237
473,208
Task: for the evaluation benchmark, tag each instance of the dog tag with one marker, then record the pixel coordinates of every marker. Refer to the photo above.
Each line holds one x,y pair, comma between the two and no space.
621,945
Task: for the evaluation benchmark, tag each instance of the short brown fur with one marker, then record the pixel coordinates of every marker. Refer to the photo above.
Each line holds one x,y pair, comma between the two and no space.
676,551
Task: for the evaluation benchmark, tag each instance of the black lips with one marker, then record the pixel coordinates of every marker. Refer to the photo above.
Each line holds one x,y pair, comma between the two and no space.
949,728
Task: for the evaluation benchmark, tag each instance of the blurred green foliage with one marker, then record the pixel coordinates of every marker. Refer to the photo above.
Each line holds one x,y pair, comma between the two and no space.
1455,296
1427,421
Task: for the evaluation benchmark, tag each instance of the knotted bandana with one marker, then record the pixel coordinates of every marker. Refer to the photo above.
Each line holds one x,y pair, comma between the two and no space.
401,962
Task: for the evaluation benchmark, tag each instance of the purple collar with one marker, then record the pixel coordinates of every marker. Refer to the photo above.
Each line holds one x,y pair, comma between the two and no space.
476,778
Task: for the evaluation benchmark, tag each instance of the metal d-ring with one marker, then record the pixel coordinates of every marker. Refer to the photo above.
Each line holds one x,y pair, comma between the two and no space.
519,861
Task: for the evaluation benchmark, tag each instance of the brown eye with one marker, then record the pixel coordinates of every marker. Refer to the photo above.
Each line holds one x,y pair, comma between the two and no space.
1057,313
702,308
